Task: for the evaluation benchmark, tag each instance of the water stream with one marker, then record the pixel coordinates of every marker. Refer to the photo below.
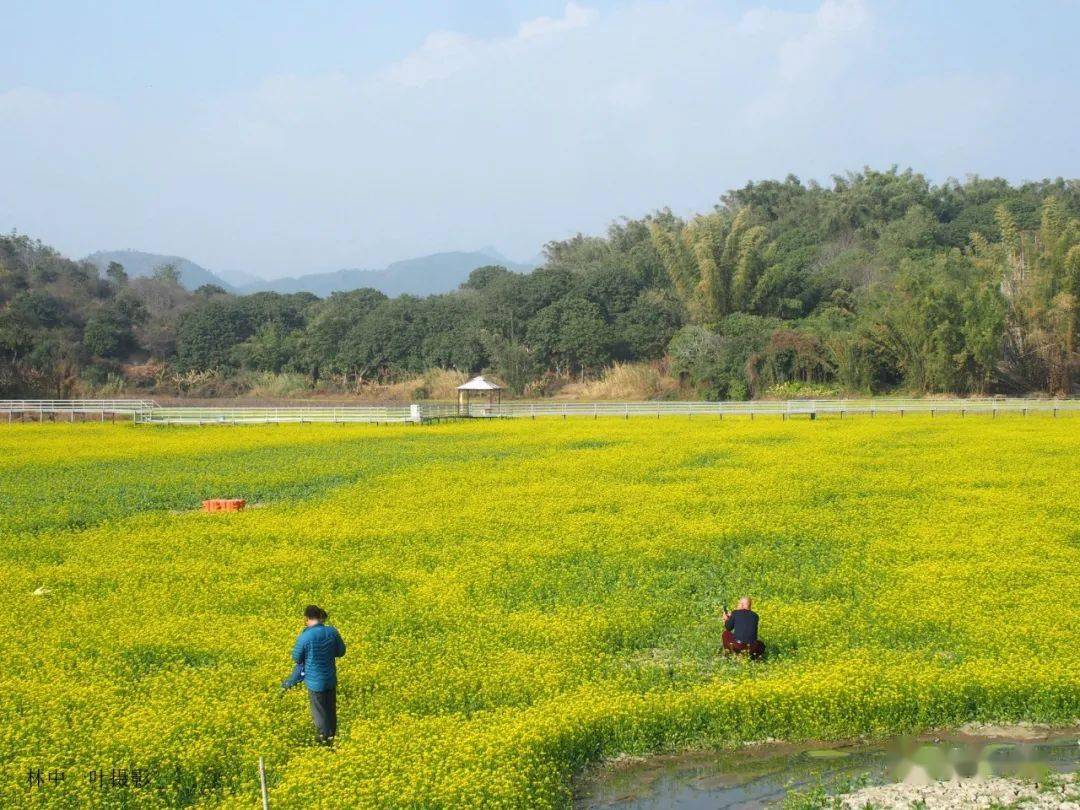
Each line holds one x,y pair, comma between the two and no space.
764,775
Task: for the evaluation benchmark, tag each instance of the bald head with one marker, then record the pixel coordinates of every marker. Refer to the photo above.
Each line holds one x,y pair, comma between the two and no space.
744,603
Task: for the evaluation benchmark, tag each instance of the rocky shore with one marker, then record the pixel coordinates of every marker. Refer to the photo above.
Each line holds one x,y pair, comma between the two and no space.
1059,793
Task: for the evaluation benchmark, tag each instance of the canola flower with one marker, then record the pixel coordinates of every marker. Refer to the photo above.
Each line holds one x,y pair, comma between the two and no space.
520,599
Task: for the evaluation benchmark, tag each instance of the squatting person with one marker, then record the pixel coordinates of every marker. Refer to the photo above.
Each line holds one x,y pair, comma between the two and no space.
741,631
316,652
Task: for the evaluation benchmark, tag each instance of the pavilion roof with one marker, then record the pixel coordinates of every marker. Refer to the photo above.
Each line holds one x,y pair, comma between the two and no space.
479,384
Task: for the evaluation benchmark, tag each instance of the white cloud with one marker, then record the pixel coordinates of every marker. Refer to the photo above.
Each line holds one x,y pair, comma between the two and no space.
444,53
836,26
561,125
575,17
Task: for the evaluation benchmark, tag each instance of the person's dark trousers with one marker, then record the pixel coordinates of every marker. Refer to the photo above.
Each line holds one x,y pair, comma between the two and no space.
756,649
324,713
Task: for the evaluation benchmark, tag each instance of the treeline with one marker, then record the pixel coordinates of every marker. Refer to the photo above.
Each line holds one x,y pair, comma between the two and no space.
879,282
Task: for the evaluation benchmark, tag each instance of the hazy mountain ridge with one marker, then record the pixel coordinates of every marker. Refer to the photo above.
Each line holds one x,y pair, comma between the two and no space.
140,264
423,275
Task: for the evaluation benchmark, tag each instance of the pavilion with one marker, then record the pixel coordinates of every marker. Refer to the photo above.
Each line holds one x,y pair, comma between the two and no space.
479,386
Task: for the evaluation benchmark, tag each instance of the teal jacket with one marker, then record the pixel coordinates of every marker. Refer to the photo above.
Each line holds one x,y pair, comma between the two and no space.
317,648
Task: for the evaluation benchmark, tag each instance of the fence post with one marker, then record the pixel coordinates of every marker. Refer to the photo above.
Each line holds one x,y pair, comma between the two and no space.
627,414
414,413
262,785
595,409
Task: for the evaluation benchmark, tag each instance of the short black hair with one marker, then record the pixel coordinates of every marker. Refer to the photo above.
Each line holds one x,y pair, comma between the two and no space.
315,612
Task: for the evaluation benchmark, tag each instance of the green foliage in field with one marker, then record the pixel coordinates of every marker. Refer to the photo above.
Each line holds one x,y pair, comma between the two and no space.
519,599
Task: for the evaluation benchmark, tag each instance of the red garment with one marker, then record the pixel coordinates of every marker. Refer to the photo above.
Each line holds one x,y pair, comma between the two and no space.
756,649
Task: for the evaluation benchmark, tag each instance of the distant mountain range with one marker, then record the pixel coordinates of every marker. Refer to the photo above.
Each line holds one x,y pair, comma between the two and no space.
425,275
437,273
139,265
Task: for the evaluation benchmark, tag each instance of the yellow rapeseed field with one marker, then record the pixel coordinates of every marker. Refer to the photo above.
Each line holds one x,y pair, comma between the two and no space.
519,598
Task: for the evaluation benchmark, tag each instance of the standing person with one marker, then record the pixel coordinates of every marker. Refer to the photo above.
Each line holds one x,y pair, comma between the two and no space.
740,631
316,652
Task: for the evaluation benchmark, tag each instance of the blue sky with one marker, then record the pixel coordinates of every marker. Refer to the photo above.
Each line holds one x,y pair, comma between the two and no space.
281,138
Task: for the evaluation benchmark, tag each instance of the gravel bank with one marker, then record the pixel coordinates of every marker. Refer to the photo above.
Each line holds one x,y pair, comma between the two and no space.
1061,793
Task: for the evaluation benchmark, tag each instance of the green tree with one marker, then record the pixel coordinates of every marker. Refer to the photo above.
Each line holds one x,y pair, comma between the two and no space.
108,333
167,273
512,361
329,324
571,336
271,348
645,329
116,273
1039,276
207,335
714,262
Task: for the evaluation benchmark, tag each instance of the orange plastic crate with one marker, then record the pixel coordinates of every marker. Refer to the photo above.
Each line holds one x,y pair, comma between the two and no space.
223,505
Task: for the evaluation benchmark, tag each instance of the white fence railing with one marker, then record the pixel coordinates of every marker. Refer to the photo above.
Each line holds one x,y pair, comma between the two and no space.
149,412
55,409
125,405
263,415
782,408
